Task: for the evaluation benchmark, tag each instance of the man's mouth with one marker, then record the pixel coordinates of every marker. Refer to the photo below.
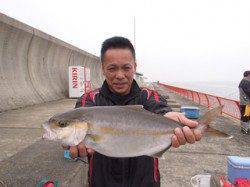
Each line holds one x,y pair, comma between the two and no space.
119,85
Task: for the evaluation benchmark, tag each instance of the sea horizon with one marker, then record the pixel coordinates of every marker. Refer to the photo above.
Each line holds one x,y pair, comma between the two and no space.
226,89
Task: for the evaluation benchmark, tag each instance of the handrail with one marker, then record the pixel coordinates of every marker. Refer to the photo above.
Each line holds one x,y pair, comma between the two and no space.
231,107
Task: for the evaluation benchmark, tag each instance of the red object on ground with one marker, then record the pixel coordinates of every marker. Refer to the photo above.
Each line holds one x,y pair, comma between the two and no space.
238,183
49,184
242,183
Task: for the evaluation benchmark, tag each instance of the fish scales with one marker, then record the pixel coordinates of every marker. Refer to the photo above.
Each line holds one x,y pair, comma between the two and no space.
135,130
117,131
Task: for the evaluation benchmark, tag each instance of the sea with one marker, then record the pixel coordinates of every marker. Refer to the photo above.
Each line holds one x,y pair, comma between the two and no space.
223,89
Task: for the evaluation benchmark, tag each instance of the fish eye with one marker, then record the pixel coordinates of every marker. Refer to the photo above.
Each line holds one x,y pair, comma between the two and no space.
63,123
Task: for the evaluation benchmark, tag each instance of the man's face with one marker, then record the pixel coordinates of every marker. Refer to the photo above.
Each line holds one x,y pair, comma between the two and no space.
119,68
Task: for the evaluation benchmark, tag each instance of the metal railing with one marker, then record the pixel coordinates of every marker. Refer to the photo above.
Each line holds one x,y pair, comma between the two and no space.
231,107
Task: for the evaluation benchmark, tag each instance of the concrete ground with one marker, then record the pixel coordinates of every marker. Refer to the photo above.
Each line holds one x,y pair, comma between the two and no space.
22,127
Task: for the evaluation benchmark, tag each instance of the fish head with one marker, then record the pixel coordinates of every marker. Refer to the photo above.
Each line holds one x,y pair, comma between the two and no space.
57,130
65,128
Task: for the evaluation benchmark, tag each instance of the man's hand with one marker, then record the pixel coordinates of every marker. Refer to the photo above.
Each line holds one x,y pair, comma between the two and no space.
185,134
79,151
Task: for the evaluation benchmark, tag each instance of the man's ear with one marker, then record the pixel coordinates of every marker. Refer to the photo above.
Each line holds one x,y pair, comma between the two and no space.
135,65
103,71
103,68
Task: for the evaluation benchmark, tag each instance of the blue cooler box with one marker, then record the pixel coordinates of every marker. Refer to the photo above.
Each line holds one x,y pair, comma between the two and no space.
238,167
190,112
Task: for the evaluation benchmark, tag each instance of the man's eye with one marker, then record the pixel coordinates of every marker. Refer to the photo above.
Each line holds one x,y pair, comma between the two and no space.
111,69
127,68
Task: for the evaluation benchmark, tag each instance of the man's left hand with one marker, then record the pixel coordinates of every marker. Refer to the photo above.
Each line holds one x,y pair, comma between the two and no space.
185,134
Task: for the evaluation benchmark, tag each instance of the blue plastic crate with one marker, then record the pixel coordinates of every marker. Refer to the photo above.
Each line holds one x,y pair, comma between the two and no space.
190,112
238,167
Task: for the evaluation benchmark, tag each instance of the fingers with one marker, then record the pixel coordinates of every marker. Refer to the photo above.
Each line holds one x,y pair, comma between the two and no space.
73,152
189,135
187,121
82,152
197,134
77,151
181,118
180,136
175,142
90,151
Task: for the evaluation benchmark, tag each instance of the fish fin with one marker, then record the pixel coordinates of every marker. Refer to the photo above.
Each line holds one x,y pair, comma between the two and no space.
94,137
208,117
135,107
216,133
160,153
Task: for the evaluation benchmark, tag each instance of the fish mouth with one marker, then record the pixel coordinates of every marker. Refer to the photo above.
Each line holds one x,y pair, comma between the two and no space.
48,133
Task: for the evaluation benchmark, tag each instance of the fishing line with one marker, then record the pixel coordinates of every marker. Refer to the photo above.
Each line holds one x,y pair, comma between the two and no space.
81,159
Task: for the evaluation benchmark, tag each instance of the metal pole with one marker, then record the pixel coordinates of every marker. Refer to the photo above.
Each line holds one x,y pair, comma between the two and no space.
134,35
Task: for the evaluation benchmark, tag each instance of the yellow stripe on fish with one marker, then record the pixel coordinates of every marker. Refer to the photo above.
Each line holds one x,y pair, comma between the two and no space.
130,132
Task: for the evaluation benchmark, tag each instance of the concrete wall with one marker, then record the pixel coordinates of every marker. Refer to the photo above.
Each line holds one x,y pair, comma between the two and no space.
34,65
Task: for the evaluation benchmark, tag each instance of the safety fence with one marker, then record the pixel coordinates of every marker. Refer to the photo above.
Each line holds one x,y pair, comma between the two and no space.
231,107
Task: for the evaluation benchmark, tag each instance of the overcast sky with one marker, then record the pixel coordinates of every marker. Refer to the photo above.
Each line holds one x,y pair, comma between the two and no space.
176,40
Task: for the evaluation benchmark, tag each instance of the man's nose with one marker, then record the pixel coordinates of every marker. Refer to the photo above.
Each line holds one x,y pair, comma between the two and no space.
120,74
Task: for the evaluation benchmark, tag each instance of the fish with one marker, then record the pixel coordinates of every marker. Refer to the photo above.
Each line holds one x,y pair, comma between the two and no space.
119,131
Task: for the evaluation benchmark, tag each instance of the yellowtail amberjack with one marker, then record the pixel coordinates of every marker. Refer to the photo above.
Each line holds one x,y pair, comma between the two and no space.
118,131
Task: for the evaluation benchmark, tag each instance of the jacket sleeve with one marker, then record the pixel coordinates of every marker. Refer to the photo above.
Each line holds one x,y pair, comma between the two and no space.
159,107
88,101
245,85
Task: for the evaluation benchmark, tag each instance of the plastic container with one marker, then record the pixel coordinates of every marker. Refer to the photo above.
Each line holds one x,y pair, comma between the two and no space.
190,112
238,167
201,180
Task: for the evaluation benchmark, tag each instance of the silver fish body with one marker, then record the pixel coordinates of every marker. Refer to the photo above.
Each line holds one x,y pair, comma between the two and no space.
115,131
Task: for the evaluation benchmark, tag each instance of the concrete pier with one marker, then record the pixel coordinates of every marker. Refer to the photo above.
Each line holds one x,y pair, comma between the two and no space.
34,86
20,132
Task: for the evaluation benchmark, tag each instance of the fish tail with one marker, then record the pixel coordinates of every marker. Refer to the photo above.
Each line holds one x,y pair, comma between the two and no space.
208,117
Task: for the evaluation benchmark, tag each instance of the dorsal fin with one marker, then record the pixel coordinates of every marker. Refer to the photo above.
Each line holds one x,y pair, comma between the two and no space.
135,107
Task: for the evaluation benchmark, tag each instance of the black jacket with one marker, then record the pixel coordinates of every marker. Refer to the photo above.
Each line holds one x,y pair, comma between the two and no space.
245,85
137,171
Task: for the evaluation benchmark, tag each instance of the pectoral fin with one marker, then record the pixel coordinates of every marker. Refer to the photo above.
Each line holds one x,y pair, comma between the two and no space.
94,137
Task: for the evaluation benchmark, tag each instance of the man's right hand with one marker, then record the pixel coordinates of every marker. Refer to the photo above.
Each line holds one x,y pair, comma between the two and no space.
79,151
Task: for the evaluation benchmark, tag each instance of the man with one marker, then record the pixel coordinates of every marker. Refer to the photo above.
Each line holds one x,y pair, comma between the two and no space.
244,89
120,88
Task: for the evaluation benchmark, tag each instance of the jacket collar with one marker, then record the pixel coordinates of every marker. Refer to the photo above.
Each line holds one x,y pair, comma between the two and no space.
117,98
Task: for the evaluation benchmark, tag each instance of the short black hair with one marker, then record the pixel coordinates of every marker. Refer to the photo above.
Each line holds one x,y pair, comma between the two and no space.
246,73
116,42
